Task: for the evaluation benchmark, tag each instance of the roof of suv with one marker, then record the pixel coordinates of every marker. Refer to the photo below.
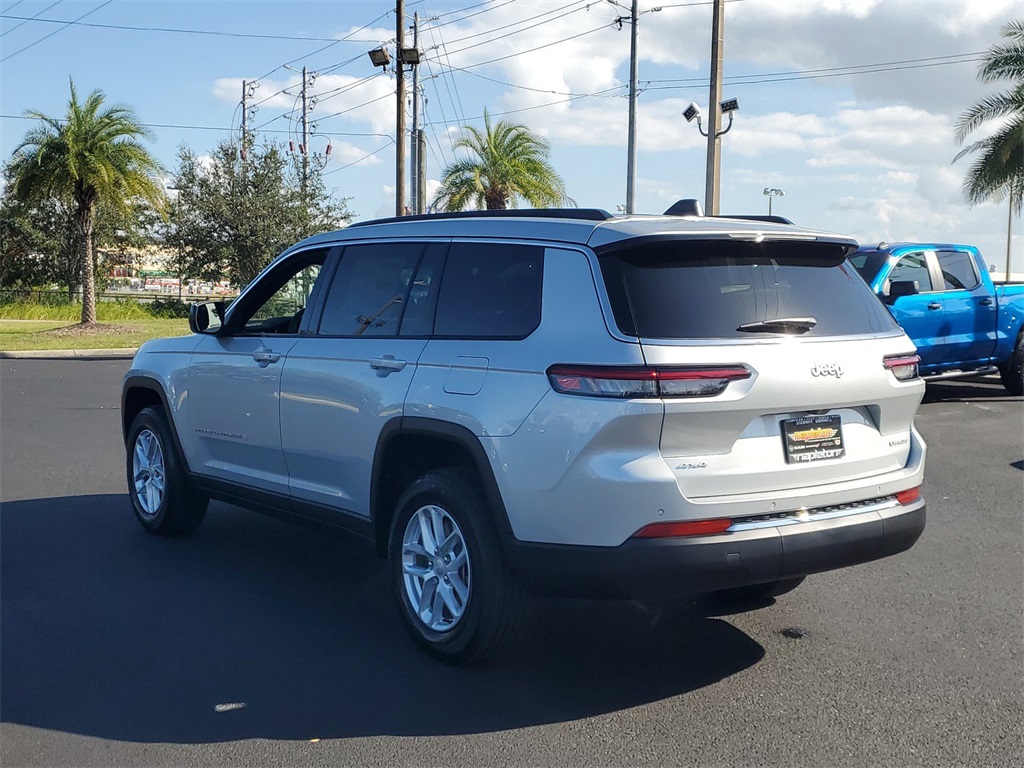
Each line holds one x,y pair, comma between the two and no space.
582,226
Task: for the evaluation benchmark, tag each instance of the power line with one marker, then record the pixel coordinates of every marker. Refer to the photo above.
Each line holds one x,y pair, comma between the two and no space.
28,19
448,81
542,106
59,29
490,40
356,162
537,48
179,126
525,87
471,15
172,30
815,74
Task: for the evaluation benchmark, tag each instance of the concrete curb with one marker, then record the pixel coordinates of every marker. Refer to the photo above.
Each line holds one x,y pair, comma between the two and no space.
120,353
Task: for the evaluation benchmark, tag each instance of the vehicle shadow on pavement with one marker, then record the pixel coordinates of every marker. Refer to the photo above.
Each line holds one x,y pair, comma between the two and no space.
988,389
254,628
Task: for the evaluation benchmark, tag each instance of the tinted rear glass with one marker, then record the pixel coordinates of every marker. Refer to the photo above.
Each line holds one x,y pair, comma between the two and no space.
490,290
678,289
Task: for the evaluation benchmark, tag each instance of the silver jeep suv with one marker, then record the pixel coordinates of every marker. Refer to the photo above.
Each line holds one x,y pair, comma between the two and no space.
556,402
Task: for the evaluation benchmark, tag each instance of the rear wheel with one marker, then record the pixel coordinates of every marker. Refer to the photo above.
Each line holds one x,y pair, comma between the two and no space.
454,592
1012,373
162,499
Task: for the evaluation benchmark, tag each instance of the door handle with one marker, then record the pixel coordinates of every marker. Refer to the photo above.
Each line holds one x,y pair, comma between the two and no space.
986,302
265,356
935,305
387,364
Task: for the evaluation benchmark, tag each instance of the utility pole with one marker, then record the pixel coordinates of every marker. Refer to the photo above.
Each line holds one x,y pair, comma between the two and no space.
421,194
1009,236
245,114
304,147
714,164
400,116
631,141
414,170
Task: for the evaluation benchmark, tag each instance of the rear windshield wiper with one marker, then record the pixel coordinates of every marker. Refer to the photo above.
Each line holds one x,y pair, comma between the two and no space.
780,325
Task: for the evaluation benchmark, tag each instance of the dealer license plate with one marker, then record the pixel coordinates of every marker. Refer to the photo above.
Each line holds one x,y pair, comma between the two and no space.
813,438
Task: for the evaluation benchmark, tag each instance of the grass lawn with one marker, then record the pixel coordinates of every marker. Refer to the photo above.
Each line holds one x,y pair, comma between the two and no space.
18,335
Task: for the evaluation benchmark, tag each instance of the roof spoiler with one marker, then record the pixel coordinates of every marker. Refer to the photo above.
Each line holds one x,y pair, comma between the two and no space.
691,207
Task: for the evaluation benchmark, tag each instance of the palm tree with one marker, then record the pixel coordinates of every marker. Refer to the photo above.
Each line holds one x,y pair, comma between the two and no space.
998,169
506,162
92,154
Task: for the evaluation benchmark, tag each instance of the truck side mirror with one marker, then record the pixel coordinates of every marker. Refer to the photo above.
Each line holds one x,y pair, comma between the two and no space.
899,288
206,317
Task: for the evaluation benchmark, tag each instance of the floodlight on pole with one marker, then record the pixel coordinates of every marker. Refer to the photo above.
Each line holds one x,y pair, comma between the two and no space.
771,192
728,107
380,57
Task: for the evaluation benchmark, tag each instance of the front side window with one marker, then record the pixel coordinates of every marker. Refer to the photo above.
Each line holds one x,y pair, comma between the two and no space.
490,291
692,289
370,289
913,266
278,301
958,270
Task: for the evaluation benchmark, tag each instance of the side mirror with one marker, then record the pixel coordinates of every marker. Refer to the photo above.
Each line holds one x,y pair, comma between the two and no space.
899,288
206,317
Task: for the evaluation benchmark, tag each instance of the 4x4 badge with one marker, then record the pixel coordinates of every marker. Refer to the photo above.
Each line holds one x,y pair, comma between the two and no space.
827,369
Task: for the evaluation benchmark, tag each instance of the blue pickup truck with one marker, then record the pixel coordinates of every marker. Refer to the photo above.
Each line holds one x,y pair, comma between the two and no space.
942,295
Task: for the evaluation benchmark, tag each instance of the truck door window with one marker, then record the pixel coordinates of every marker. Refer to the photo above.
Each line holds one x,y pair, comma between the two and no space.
912,266
958,270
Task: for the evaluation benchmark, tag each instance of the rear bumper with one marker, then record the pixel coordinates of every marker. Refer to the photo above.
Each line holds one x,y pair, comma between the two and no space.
644,568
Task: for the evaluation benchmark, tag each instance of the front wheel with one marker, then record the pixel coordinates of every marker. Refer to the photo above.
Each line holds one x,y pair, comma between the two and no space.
162,499
455,594
1012,373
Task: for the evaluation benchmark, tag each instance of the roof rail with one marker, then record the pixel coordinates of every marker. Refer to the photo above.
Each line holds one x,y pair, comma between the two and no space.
755,217
580,214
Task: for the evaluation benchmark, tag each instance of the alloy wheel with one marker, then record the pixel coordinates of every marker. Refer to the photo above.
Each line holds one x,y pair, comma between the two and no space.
436,570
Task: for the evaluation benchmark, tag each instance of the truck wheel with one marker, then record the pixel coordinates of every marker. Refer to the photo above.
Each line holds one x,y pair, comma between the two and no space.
455,594
756,592
1012,373
163,501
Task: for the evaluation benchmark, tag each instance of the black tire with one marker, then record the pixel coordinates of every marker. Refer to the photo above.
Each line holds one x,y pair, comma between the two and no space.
162,499
760,592
1012,373
491,608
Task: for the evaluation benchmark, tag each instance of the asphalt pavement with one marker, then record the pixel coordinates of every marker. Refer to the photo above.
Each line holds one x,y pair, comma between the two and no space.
257,642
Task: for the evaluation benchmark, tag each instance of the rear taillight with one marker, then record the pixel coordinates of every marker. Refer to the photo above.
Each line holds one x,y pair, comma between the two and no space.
903,367
909,496
684,528
632,382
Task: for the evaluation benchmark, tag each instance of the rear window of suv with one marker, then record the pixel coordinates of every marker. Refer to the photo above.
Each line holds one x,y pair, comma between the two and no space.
700,289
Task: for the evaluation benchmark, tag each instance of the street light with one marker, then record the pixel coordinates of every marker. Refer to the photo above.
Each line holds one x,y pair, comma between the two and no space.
771,192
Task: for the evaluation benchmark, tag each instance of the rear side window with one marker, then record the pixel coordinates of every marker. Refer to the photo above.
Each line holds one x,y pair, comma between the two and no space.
958,272
490,291
686,289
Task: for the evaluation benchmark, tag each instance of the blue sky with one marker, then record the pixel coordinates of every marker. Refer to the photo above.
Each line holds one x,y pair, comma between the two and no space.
847,105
